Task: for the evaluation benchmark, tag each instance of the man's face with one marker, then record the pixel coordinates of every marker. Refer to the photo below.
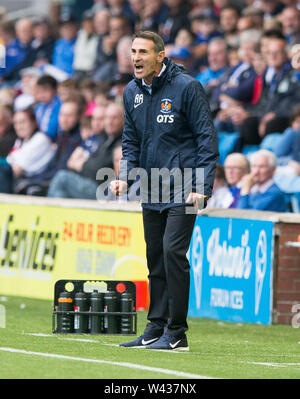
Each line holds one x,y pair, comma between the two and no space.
247,51
146,62
68,116
228,20
68,30
101,22
113,121
44,94
117,28
98,117
217,57
24,31
276,53
235,169
290,21
261,170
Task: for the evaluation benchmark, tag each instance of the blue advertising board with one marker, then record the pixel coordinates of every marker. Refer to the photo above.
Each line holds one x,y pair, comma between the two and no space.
231,270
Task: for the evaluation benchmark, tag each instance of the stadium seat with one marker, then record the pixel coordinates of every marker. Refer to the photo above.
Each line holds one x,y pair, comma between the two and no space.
270,141
228,142
292,202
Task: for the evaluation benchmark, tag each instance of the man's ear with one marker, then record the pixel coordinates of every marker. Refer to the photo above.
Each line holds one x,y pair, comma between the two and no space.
160,56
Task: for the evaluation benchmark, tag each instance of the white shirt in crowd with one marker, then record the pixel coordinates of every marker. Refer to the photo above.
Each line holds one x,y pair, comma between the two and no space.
32,155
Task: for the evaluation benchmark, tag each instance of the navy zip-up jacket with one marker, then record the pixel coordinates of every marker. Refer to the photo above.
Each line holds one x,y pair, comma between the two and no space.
170,128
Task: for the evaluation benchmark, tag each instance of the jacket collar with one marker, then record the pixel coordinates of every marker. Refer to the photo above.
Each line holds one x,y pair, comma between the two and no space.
171,69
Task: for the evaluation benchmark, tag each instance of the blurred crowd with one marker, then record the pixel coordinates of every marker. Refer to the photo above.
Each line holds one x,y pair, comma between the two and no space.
62,81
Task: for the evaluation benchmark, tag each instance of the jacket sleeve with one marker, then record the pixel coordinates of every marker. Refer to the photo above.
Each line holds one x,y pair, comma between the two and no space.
130,145
196,109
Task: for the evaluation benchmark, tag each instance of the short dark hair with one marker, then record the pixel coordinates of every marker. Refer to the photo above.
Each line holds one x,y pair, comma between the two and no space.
47,80
273,34
77,99
8,27
154,37
231,7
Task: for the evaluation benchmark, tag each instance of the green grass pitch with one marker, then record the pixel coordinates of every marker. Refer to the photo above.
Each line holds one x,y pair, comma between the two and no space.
29,350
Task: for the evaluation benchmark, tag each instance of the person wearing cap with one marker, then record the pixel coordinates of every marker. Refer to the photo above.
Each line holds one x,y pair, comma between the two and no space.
85,49
63,53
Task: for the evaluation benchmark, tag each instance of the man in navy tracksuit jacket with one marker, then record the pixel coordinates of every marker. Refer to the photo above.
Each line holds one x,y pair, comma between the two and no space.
167,127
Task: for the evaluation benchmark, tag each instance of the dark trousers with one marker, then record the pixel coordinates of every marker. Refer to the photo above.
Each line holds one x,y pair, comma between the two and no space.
6,179
167,236
249,129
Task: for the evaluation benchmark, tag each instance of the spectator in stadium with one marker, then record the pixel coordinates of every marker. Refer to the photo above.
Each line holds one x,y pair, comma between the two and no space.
87,89
83,183
42,44
18,47
184,38
12,53
7,96
118,86
154,15
7,132
29,77
244,23
85,48
66,88
122,63
177,18
119,7
290,19
205,27
229,17
236,165
279,94
63,53
258,190
287,148
182,55
136,10
47,105
237,84
102,95
221,195
30,155
217,65
256,15
119,26
271,8
101,22
148,144
92,134
68,137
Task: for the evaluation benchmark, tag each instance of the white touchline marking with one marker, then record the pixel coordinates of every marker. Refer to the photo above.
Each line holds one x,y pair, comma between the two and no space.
121,364
38,334
275,364
62,338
